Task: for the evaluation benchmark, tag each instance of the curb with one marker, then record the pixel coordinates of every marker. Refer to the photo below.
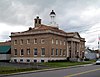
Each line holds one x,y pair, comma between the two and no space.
4,75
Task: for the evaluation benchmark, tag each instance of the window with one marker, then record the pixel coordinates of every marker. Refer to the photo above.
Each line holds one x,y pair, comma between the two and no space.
35,51
56,41
22,52
35,61
28,60
15,51
28,41
21,41
35,41
52,41
42,41
56,52
60,42
69,53
15,60
52,51
60,52
15,42
35,21
21,60
28,51
39,21
64,52
42,60
42,51
64,42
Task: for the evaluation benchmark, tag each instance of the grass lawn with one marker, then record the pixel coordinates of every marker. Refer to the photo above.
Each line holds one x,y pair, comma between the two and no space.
8,70
64,64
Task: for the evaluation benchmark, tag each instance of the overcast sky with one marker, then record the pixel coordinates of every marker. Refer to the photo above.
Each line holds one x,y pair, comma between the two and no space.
81,16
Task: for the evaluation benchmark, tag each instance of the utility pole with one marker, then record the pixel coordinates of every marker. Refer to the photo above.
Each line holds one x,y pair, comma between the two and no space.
98,46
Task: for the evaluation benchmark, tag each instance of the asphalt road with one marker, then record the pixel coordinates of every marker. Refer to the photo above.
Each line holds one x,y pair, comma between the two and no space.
86,71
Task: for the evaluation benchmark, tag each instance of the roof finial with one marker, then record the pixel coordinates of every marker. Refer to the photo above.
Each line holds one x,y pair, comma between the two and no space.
52,12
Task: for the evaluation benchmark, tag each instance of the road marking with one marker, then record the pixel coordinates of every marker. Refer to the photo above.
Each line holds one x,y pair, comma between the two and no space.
82,72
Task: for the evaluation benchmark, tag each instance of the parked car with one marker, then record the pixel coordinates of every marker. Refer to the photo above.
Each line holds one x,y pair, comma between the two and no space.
98,61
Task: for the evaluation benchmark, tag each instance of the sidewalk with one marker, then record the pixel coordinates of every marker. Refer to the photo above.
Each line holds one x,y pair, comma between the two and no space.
4,75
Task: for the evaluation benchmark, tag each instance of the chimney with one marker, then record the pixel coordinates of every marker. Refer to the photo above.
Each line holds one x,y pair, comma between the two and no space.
37,21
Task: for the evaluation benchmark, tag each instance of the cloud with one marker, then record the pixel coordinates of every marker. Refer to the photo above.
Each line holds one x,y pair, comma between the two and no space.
82,16
5,30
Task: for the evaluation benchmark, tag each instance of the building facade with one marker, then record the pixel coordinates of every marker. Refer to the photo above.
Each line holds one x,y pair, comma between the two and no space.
45,43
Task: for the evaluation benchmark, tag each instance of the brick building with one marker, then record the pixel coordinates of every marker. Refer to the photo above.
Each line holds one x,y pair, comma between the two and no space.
44,43
5,51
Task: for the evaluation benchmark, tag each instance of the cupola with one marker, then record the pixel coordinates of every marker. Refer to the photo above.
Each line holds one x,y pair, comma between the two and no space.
53,16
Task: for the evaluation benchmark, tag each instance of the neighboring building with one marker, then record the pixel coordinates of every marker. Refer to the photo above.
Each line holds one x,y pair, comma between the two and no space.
45,43
97,53
5,51
6,43
90,54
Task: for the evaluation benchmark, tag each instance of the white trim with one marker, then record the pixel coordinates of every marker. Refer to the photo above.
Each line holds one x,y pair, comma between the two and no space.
33,58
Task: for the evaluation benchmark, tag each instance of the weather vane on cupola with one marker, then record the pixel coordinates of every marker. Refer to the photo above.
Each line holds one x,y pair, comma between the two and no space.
53,16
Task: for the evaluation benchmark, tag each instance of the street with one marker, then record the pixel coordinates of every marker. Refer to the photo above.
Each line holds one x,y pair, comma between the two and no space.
86,71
